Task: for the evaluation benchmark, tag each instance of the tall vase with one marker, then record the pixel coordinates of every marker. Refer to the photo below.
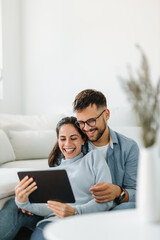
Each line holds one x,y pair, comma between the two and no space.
148,185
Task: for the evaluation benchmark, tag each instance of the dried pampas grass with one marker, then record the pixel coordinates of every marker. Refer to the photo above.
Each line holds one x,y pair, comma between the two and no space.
145,99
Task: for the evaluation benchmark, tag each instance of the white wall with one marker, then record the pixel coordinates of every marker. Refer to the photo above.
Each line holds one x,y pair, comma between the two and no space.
76,44
12,99
68,46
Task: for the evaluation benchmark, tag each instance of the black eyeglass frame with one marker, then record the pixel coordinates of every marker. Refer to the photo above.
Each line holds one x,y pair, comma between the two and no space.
90,119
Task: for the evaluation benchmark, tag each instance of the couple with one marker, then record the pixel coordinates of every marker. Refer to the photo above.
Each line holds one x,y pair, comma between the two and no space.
119,152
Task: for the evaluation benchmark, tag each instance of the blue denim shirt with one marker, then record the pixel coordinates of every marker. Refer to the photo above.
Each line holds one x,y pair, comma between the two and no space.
122,159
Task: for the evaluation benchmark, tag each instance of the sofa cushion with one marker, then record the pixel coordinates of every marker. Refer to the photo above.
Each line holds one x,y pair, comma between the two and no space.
16,127
36,122
31,163
6,150
32,144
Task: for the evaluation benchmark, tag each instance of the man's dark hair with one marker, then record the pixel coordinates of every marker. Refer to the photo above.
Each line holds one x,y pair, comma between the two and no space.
87,97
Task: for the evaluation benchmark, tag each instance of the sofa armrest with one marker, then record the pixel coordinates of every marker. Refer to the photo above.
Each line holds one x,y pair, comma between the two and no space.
8,182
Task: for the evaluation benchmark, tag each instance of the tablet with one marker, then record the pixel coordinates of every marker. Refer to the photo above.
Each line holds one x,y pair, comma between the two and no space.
52,185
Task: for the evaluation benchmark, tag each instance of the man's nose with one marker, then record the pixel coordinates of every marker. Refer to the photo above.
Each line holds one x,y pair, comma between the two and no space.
86,127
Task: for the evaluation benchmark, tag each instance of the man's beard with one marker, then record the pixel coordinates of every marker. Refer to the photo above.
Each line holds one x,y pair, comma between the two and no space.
100,133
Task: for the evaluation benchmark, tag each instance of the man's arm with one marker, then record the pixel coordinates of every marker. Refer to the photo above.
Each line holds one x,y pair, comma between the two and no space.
104,192
130,176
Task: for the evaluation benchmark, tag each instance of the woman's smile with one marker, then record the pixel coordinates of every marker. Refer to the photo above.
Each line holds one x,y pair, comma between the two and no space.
69,150
70,141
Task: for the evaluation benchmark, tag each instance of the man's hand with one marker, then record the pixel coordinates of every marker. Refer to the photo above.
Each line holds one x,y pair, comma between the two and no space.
24,188
105,192
61,210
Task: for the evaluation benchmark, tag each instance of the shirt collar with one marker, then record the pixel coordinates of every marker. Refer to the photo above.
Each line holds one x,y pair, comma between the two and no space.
71,160
113,138
111,142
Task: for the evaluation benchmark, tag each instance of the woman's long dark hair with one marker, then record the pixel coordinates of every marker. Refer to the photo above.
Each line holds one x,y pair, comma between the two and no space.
56,155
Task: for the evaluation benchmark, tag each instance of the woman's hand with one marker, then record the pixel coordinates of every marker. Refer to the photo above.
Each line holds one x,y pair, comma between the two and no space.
24,188
61,210
24,211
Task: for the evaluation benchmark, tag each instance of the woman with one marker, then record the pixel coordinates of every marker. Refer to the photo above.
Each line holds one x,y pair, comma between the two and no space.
83,172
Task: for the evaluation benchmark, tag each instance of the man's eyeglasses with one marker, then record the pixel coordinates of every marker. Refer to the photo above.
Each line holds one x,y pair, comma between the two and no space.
90,122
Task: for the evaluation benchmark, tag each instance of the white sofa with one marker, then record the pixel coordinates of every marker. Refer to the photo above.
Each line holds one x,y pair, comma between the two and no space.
26,141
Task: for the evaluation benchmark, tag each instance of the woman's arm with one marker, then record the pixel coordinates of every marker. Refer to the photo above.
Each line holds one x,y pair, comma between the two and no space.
22,191
101,172
24,188
61,210
40,209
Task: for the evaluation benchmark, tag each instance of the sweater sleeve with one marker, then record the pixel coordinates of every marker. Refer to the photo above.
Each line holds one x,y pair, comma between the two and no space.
101,172
39,209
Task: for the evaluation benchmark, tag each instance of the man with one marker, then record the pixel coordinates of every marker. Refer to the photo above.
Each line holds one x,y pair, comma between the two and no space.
121,153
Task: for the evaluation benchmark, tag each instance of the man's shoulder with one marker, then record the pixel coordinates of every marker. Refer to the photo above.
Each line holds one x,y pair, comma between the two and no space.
121,139
125,146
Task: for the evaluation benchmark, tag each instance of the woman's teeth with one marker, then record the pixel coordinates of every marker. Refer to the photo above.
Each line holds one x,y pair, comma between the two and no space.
69,150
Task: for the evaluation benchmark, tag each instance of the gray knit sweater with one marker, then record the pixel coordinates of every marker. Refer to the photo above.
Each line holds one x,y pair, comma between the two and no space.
83,172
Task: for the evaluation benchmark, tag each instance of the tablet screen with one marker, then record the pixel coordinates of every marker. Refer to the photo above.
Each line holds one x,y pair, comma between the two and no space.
52,185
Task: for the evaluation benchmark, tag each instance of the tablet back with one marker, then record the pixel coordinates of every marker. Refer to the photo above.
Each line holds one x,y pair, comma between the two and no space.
52,185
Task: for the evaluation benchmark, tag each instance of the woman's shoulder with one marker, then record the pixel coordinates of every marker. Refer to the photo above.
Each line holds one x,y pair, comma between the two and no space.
95,160
94,155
